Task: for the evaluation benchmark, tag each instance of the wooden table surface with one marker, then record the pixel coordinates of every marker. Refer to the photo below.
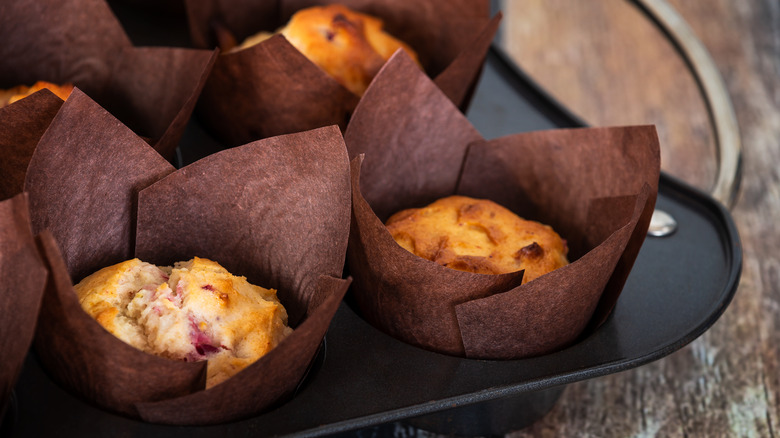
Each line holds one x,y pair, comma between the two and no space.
609,64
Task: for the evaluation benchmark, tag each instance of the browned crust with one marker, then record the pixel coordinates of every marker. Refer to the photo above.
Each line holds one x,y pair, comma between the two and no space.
480,236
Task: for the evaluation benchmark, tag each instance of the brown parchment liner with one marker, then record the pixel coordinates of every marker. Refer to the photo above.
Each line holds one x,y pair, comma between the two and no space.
23,275
410,146
153,90
275,211
271,88
21,126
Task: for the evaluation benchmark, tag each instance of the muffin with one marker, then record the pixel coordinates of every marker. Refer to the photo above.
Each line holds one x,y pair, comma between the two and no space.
480,236
228,205
11,95
348,45
411,147
194,311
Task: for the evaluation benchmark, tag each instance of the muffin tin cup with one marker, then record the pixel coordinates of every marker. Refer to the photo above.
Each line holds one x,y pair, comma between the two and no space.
596,187
275,211
153,90
271,88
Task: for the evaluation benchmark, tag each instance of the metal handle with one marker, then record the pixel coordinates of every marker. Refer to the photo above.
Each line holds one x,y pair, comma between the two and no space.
719,104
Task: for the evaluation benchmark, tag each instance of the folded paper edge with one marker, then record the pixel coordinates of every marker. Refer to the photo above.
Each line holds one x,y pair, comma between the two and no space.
625,230
171,411
32,299
195,375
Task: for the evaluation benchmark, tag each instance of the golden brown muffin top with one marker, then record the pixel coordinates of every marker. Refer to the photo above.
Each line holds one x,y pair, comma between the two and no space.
348,45
480,236
195,311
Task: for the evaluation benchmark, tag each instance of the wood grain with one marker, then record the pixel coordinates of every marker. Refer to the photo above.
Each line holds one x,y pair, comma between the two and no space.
611,66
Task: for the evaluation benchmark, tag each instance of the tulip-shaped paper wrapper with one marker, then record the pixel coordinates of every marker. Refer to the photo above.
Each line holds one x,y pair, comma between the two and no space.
21,127
153,90
595,187
275,211
21,269
271,88
23,275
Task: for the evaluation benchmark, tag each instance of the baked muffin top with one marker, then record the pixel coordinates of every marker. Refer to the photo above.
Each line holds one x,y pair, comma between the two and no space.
194,311
348,45
480,236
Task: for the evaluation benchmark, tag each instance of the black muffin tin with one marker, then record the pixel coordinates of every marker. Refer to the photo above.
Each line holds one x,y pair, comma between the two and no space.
363,380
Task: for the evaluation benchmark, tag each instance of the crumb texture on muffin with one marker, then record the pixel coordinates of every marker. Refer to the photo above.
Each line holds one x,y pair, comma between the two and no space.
194,311
480,236
348,45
